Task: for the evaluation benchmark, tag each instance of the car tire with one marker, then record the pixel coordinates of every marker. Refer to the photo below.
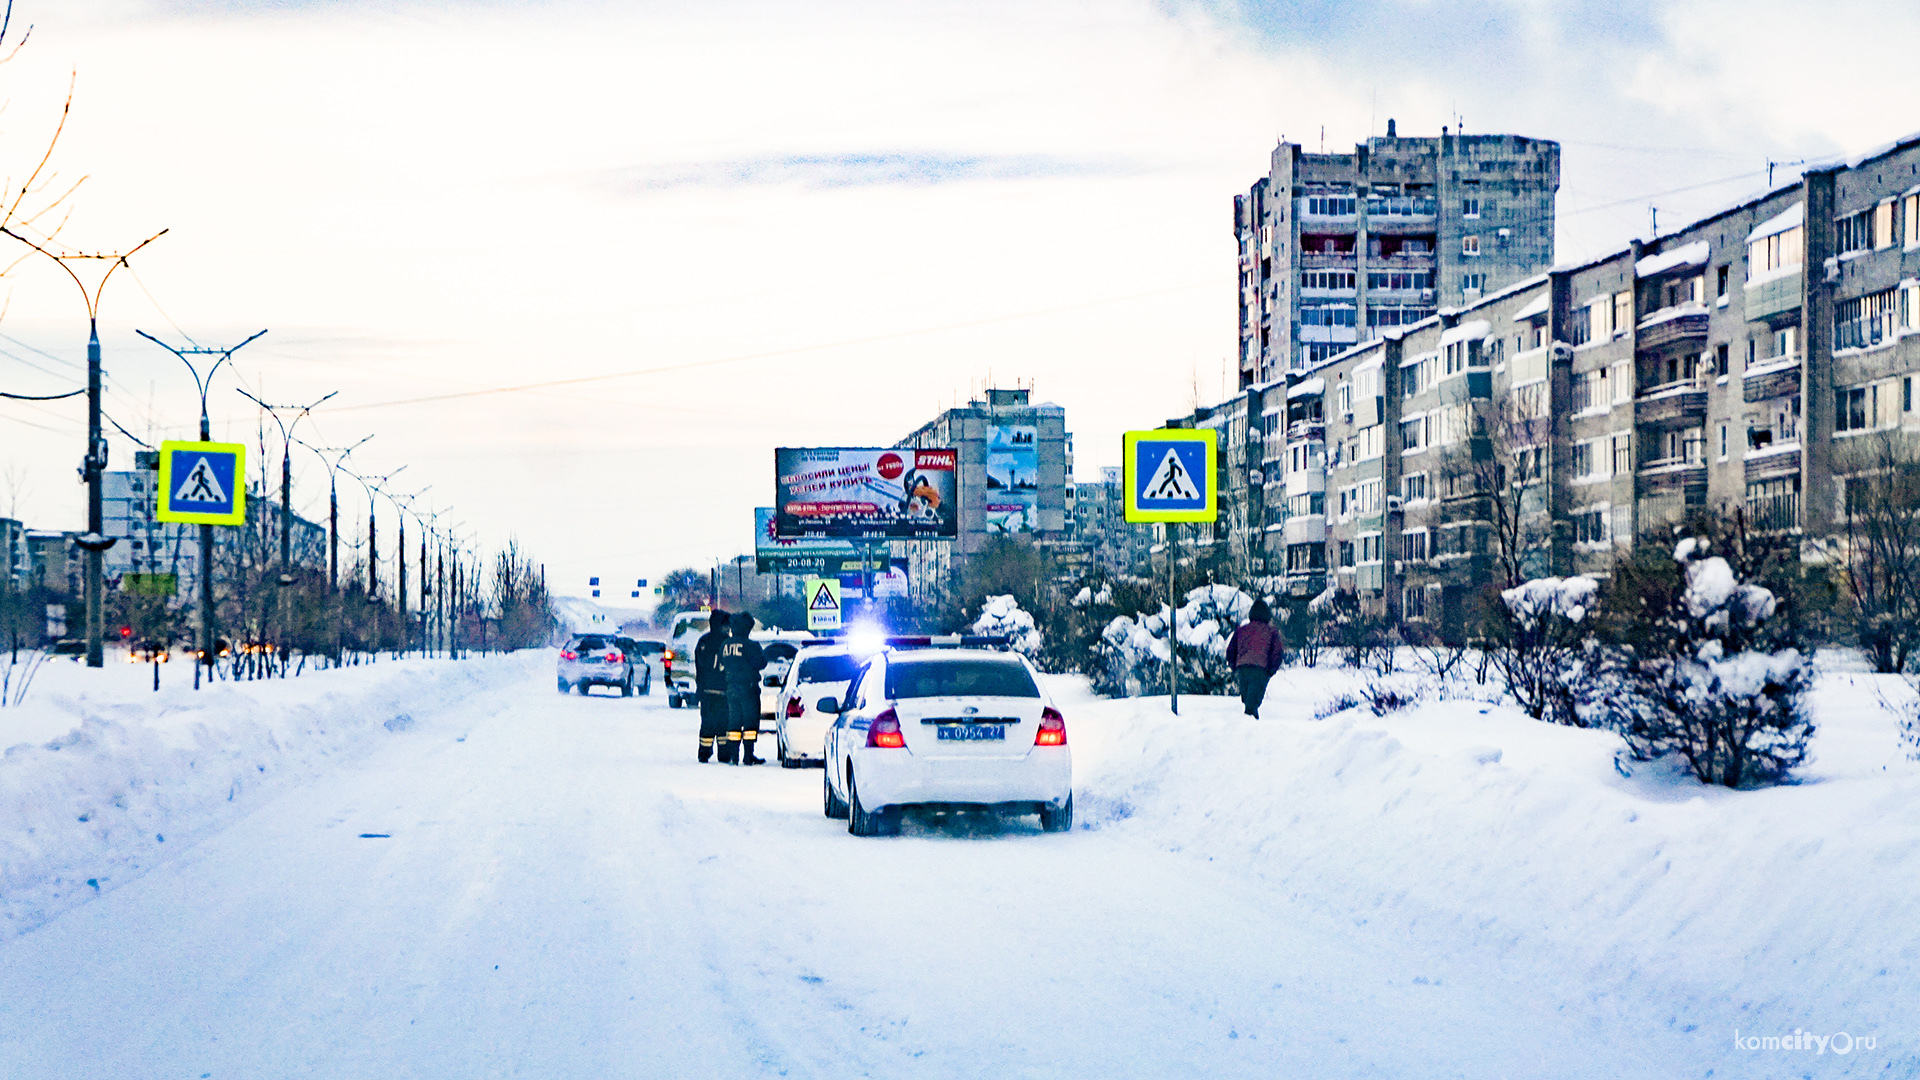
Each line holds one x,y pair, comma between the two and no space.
833,807
564,687
1060,820
673,701
626,688
646,685
583,688
864,822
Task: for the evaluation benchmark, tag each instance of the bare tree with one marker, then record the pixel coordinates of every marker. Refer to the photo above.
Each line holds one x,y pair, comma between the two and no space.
1880,553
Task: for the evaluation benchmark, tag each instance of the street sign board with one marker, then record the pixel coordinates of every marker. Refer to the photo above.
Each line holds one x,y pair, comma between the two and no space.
202,483
1170,474
822,597
874,493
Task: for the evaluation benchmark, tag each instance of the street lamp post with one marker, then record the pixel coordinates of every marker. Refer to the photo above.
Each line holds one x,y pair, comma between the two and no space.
94,465
333,503
207,630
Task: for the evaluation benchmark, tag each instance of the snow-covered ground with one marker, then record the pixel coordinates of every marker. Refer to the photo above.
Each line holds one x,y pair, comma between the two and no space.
553,887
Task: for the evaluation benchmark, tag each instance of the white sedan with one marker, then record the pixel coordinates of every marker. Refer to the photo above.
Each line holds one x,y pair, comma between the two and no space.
945,727
800,728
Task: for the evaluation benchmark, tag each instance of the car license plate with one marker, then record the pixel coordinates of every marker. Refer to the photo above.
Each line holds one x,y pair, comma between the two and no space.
973,732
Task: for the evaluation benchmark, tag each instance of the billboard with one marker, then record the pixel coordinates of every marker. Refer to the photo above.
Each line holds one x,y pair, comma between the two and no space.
1013,478
854,493
818,557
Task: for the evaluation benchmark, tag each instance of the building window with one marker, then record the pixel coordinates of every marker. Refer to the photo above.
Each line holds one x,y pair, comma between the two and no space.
1413,602
1370,548
1580,459
1413,434
1622,453
1413,486
1413,545
1346,554
1856,408
1590,526
1781,251
1470,208
1580,325
1328,279
1720,281
1399,279
1473,282
1883,225
1623,312
1330,205
1470,246
1853,232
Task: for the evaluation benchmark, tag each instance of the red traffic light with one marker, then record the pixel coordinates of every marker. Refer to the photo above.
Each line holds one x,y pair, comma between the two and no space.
126,631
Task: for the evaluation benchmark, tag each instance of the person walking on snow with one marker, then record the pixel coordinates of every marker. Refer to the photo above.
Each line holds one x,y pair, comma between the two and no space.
744,661
710,683
1254,653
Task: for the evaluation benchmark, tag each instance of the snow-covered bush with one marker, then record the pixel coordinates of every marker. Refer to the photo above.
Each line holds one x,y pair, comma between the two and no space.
1001,616
1133,653
1541,644
1706,675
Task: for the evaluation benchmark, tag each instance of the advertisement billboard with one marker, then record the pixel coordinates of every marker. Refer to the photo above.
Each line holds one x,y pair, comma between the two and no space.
773,554
1013,479
855,493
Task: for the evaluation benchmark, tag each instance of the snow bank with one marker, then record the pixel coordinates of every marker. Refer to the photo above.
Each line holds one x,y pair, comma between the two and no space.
1495,841
104,777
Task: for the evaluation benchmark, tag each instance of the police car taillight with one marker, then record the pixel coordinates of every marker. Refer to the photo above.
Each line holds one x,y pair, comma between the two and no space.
884,732
569,654
1053,728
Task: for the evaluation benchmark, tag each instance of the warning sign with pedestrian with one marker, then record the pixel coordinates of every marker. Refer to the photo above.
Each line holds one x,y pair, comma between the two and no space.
202,483
823,603
1170,474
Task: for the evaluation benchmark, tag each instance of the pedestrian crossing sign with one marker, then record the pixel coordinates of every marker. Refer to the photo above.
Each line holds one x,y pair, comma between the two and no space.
823,603
1170,474
202,483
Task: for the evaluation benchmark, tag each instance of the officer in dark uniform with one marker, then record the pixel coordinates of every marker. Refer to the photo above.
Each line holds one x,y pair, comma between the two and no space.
744,661
710,679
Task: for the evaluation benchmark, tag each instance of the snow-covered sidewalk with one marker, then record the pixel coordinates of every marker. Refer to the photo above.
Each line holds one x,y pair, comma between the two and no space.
1476,831
100,773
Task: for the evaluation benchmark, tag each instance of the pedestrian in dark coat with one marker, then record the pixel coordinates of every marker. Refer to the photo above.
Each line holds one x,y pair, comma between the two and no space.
1254,653
744,661
710,682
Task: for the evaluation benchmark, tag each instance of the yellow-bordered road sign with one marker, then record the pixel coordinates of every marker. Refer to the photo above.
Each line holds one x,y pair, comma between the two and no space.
822,597
1170,474
202,483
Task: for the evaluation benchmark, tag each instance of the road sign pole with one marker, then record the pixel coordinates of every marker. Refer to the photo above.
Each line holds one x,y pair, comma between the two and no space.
1173,615
96,464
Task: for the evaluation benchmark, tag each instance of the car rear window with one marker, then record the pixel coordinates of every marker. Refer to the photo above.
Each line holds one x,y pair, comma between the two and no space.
828,668
652,646
779,650
590,643
959,678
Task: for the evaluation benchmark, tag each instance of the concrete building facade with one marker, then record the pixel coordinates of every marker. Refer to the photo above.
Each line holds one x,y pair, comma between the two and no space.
1335,249
1747,362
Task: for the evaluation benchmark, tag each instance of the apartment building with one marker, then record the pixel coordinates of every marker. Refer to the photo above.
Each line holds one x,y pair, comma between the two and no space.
1746,361
1336,249
1015,461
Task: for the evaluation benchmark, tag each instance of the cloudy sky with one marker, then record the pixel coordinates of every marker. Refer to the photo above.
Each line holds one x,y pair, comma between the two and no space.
579,266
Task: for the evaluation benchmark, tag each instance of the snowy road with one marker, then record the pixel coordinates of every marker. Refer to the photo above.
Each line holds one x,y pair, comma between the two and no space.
565,892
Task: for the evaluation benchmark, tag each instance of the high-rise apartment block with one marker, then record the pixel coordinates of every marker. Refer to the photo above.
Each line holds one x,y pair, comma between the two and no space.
1335,249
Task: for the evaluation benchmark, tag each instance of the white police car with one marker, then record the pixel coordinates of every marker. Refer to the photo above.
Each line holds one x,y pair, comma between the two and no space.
945,727
800,728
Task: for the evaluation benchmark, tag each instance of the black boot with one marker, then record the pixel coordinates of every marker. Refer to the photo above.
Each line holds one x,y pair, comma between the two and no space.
746,753
729,751
706,750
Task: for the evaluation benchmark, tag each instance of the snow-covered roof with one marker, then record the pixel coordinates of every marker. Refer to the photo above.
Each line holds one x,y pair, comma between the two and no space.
1671,313
1536,307
1694,254
1467,331
1786,219
1307,387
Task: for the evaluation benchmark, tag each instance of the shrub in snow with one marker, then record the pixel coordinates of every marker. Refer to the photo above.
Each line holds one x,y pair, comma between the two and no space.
1707,674
1001,616
1133,655
1541,645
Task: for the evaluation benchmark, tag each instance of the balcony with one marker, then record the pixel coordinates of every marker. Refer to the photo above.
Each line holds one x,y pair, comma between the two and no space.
1677,404
1306,529
1777,377
1307,430
1774,513
1773,461
1675,476
1773,296
1685,324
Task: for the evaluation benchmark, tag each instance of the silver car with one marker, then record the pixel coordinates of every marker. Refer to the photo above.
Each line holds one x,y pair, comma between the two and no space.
589,660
